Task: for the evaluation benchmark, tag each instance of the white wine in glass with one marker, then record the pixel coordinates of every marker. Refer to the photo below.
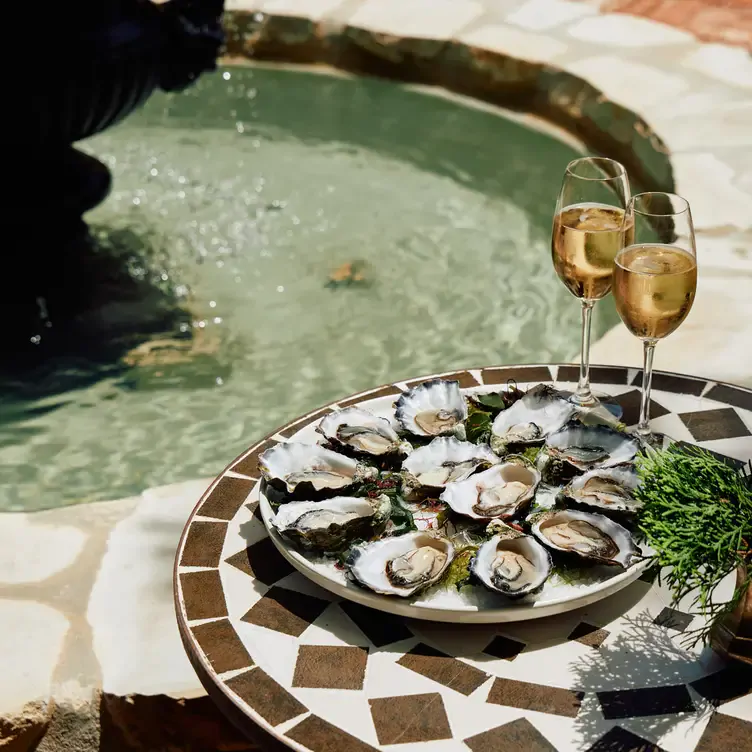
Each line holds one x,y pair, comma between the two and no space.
655,278
589,230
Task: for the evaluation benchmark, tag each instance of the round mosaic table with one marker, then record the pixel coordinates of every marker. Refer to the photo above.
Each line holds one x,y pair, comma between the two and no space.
320,674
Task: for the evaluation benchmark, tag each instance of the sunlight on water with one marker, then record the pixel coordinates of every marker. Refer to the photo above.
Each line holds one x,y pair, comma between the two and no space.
241,197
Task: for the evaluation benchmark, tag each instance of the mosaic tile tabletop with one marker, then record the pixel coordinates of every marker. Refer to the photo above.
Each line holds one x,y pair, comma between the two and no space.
322,674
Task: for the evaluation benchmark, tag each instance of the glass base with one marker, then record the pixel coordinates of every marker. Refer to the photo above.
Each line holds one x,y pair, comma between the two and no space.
601,404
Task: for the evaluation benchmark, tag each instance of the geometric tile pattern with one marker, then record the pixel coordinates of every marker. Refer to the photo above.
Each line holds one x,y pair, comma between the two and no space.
587,634
633,703
673,619
621,740
410,718
504,648
330,666
332,675
443,669
516,736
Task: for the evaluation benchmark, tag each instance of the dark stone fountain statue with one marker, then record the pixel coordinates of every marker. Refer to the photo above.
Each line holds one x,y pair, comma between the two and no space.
104,58
89,64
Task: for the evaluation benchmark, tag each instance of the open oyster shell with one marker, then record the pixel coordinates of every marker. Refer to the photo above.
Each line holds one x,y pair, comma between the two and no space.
362,432
531,418
610,489
445,460
433,408
309,471
589,447
502,491
331,525
512,564
403,565
590,536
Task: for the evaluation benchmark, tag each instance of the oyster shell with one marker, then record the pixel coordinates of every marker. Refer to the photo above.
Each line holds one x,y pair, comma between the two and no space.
590,536
445,460
330,525
589,447
403,565
501,491
310,471
513,564
609,488
362,432
433,408
531,418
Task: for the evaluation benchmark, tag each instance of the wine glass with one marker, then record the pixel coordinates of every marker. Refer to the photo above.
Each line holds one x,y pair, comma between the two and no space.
655,277
589,230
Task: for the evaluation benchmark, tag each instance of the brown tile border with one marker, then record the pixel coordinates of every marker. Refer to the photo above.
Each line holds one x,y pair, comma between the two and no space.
203,544
226,498
598,374
731,395
247,464
465,378
384,391
222,646
203,596
671,382
520,374
292,428
268,698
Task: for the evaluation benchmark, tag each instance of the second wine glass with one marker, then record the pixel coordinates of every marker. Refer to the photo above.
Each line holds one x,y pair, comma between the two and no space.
588,232
655,278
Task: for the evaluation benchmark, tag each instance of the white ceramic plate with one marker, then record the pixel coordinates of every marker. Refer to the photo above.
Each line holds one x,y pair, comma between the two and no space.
474,605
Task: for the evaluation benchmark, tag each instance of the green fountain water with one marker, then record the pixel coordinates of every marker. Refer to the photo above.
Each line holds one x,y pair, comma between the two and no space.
236,201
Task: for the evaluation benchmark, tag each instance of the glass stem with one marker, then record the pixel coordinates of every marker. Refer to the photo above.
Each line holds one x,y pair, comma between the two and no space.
583,395
643,427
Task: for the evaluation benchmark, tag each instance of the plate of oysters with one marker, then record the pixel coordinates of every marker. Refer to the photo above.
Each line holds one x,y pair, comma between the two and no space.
459,505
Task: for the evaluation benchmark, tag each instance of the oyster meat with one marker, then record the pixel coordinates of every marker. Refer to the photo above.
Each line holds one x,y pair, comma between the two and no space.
302,470
502,491
589,447
590,536
513,564
531,418
609,488
446,460
403,565
332,524
361,431
433,408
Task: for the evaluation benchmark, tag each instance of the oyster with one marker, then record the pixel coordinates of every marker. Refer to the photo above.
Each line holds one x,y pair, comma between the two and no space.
591,536
309,470
589,447
609,488
445,460
501,491
361,431
433,408
531,418
512,564
403,565
330,525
